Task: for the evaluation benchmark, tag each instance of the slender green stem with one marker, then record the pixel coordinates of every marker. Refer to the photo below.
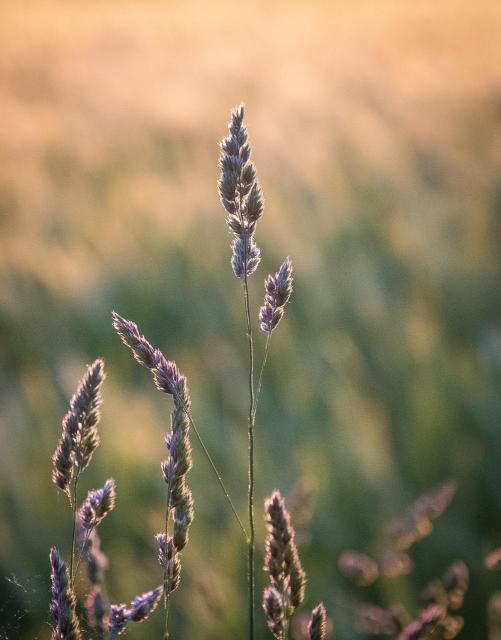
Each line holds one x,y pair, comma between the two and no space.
215,470
87,536
74,500
260,380
251,424
166,568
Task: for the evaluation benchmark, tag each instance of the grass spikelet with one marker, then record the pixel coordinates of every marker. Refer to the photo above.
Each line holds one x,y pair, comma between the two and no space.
282,561
317,627
63,602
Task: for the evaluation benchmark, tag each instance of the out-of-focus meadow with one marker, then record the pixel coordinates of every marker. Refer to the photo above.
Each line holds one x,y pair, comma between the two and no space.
376,129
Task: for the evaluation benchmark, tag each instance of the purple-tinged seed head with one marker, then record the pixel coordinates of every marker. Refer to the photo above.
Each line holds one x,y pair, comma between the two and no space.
239,261
128,331
169,559
79,437
63,603
241,195
278,289
119,616
146,603
98,504
282,559
274,610
166,376
317,627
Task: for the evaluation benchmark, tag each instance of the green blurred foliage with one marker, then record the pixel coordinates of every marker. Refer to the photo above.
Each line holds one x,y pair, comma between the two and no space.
377,139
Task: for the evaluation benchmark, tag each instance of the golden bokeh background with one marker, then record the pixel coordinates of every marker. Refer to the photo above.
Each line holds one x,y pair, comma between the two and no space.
376,129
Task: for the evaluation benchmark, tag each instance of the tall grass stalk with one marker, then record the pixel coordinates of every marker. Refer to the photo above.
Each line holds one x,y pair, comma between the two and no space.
251,425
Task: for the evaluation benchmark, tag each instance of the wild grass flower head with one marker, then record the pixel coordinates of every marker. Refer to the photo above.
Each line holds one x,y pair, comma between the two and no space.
278,289
166,374
140,608
274,611
240,194
317,627
63,602
97,505
79,437
282,561
169,559
119,617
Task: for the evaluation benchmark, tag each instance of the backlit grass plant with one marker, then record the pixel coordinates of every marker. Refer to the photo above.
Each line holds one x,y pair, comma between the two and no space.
242,199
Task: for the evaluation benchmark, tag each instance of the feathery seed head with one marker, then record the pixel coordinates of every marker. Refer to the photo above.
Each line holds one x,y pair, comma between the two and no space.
63,602
62,461
240,195
183,517
317,627
274,610
278,289
143,605
79,437
128,332
169,559
98,504
245,253
119,616
282,559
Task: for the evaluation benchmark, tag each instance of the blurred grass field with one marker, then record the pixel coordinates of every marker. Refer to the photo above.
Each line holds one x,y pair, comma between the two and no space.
376,130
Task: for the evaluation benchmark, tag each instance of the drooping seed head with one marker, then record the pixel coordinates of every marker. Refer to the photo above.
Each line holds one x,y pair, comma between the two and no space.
143,351
274,610
63,602
317,627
